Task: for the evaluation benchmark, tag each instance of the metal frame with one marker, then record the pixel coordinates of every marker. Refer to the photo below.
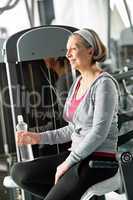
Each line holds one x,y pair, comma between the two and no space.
19,48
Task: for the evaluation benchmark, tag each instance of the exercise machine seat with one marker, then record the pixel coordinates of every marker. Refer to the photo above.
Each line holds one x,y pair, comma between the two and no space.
103,187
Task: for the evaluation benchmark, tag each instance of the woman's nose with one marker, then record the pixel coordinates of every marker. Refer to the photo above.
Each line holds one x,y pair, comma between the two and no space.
68,54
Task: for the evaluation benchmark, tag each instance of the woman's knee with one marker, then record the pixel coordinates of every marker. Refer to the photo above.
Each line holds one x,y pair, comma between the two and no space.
19,173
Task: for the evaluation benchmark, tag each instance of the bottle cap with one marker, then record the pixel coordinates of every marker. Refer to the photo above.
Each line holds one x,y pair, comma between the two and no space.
20,118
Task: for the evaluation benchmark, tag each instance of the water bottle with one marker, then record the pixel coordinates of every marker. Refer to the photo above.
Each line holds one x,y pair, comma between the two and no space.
26,152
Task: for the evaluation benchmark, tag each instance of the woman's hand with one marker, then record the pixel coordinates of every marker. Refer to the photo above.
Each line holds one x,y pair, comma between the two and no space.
61,169
26,137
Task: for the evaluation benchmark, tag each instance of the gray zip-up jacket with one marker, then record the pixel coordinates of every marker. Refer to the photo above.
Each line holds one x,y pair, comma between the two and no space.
94,124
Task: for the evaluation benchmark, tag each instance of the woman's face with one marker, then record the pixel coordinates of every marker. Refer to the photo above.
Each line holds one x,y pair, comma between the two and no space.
77,53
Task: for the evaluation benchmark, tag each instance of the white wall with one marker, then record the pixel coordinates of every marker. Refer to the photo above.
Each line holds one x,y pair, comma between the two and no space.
78,13
16,19
83,13
117,25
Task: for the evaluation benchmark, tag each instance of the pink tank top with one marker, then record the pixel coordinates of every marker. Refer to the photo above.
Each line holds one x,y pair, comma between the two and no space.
74,102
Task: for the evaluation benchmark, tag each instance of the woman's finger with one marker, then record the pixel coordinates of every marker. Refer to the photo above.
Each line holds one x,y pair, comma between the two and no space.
57,176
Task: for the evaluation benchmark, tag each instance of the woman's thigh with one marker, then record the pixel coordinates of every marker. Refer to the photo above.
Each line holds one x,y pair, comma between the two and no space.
65,185
77,180
41,169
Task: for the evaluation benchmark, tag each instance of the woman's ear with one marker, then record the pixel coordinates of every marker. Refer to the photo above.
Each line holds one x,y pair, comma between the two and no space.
91,51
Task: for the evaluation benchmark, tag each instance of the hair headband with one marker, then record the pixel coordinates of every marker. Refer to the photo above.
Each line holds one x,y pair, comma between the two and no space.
87,36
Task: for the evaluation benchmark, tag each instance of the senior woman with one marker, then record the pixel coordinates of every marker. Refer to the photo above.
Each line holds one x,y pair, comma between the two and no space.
91,112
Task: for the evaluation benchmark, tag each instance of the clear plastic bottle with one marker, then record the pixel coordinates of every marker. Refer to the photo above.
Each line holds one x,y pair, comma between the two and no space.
26,152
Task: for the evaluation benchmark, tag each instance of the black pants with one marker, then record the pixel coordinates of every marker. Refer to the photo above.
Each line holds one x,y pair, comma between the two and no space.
37,177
